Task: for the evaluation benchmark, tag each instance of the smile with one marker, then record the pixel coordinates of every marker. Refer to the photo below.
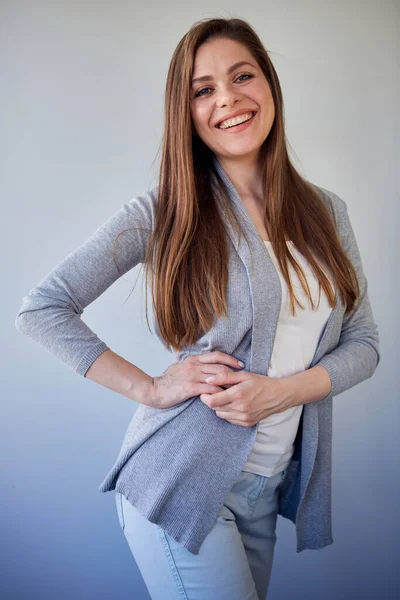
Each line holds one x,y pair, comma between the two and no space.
233,127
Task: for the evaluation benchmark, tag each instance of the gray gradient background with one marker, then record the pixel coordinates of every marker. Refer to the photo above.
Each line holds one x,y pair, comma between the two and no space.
82,87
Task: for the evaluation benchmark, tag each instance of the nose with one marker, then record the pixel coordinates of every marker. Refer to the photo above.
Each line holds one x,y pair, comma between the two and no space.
228,97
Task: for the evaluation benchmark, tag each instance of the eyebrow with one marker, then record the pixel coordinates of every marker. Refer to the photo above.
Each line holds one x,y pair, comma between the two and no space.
229,71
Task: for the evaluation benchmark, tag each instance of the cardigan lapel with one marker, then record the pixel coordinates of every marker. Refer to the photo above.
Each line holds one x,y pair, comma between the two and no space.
265,285
266,294
264,282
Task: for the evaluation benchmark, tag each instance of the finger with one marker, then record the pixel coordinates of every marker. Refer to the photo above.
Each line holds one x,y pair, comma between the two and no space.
217,400
210,390
211,369
225,378
232,418
220,357
228,414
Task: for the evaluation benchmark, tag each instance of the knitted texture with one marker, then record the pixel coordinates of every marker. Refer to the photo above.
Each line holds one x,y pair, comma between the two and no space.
177,465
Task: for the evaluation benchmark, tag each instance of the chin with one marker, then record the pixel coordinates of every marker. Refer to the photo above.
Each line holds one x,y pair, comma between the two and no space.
244,149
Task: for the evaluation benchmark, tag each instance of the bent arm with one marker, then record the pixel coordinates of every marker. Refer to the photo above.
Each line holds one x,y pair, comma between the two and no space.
121,376
51,312
357,354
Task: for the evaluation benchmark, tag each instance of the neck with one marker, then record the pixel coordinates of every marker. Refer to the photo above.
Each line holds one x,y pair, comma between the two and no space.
245,175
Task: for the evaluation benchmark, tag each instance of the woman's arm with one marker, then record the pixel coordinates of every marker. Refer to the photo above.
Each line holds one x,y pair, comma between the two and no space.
357,354
119,375
51,312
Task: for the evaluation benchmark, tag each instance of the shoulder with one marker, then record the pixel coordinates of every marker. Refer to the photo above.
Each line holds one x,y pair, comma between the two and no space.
127,230
142,208
338,208
336,204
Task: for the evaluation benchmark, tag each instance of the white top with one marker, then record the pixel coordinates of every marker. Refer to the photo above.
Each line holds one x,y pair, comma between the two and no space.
296,340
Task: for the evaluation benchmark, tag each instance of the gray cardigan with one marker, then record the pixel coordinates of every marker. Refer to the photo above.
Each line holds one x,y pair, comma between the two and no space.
177,465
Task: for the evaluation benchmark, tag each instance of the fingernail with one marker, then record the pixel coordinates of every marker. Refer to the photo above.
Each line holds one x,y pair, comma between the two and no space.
210,378
240,363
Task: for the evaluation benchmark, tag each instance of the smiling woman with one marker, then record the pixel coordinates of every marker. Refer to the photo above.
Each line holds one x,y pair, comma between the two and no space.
236,86
205,467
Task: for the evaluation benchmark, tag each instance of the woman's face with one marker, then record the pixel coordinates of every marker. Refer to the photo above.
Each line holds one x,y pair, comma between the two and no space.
243,89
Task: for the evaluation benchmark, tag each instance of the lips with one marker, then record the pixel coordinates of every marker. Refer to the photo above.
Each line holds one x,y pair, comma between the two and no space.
235,114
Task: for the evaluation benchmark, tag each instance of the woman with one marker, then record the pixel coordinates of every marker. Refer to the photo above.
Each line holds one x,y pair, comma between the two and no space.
249,262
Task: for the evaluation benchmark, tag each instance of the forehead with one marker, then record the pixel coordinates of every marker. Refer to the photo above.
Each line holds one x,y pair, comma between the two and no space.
219,54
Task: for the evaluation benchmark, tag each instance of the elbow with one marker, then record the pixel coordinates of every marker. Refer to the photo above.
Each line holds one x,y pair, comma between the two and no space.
371,356
21,321
366,344
373,343
376,359
41,303
25,323
30,304
18,323
370,360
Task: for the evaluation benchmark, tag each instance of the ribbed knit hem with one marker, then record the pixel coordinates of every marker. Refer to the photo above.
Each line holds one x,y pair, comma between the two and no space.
191,540
333,374
326,541
89,358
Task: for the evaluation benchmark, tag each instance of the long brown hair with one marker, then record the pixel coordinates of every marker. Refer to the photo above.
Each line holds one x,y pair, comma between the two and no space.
188,285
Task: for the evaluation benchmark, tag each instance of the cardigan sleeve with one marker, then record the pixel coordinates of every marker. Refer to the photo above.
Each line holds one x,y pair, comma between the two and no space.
357,354
51,312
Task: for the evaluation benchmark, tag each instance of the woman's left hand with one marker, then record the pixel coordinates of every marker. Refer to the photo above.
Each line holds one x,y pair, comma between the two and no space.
248,397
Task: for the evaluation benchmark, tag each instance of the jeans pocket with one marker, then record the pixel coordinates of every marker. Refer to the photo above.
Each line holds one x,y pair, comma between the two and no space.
120,510
289,478
281,481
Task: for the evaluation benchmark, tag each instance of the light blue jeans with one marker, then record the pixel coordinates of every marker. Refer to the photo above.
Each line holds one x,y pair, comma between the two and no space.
235,559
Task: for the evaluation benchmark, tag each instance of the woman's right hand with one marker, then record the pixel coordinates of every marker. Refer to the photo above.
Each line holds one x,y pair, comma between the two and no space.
185,379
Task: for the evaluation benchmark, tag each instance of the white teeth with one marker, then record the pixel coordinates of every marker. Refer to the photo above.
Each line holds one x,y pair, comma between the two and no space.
235,120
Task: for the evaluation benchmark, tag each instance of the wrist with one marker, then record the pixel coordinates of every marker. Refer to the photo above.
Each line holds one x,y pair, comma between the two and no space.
286,391
308,386
146,392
